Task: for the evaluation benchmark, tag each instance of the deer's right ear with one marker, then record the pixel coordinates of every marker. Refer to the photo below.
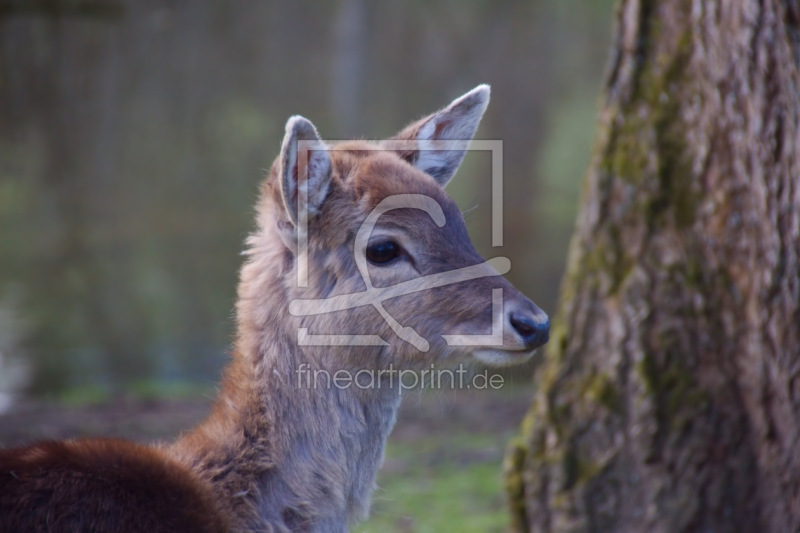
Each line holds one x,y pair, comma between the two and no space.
305,169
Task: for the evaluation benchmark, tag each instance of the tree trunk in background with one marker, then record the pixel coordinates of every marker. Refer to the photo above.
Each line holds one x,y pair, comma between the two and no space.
670,398
348,67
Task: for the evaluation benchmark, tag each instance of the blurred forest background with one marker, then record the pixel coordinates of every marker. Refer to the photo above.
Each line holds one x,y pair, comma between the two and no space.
133,136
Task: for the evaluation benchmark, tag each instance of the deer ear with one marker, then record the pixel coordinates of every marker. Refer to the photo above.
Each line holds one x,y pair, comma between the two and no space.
457,122
305,169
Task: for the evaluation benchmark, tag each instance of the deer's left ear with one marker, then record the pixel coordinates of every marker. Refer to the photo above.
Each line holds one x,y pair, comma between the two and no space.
457,123
305,169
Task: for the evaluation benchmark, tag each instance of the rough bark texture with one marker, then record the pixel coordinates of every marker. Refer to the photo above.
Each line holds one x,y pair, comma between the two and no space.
670,399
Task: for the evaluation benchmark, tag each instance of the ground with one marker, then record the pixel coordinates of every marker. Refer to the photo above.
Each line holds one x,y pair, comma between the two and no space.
443,460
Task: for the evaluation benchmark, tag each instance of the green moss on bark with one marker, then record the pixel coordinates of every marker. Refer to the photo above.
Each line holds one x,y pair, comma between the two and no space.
578,470
647,142
676,393
513,466
601,389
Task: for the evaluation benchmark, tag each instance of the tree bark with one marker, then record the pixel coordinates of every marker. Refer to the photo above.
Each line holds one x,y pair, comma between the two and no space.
670,396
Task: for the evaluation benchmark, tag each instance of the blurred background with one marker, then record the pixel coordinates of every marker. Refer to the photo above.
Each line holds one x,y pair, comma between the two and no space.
133,135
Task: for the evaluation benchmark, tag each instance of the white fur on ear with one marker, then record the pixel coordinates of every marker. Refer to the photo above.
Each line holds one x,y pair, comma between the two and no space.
457,122
305,169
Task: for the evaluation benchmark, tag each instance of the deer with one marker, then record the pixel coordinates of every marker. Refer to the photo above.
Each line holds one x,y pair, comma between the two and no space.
275,454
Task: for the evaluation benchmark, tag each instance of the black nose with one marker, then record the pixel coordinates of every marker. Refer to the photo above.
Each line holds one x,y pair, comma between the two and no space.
533,334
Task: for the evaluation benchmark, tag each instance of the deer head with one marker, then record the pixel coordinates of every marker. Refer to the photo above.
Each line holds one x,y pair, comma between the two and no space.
373,258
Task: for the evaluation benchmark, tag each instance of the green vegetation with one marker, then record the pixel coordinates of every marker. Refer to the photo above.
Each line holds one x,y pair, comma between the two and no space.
449,482
142,390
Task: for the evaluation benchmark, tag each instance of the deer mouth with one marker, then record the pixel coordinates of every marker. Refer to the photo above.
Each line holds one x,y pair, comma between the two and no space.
497,357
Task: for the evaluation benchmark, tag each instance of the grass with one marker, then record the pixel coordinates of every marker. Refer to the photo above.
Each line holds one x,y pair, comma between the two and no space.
448,482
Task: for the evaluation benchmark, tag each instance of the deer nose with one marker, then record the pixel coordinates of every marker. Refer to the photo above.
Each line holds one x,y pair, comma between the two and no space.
533,333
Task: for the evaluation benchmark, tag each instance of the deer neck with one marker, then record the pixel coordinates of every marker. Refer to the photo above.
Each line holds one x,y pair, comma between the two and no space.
281,450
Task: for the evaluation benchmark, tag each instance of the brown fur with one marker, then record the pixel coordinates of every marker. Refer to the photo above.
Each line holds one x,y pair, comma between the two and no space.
101,485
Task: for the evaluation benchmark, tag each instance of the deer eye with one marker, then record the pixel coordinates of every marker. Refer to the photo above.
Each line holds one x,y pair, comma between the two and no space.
383,252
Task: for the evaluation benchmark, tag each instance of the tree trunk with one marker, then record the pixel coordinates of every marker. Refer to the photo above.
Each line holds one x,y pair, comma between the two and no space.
670,397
